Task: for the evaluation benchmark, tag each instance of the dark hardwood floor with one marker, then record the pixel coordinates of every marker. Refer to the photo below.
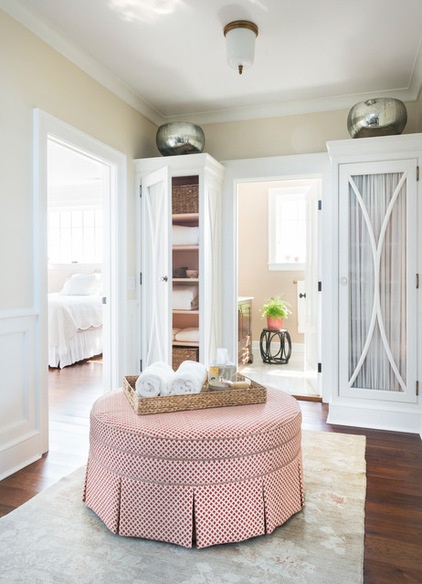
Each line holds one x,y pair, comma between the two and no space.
393,522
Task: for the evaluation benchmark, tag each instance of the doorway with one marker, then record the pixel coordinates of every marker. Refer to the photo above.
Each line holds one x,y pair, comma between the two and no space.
78,188
112,166
78,268
283,215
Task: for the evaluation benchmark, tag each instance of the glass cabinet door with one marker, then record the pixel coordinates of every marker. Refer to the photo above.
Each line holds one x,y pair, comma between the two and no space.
377,288
156,280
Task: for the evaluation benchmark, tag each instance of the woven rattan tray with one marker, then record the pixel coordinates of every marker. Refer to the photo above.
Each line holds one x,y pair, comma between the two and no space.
207,398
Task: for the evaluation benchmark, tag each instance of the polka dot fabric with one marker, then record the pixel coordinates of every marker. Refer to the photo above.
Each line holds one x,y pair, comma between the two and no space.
201,477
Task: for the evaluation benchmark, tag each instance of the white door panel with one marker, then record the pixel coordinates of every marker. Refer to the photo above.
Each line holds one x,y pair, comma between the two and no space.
311,288
156,269
377,292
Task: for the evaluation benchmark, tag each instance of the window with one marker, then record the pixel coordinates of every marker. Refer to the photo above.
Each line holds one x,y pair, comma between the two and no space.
287,228
75,235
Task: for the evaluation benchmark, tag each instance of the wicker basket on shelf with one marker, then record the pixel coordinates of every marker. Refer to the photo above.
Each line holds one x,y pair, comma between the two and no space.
185,199
207,398
181,354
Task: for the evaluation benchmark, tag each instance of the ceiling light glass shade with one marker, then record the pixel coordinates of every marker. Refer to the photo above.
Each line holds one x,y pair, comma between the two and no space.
240,43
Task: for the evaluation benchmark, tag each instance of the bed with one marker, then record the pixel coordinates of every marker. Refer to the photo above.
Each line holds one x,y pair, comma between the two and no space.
75,321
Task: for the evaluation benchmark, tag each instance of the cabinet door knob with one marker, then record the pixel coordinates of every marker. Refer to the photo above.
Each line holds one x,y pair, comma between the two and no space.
164,278
343,280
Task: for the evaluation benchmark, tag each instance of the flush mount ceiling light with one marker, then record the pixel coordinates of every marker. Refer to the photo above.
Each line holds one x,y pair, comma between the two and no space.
240,42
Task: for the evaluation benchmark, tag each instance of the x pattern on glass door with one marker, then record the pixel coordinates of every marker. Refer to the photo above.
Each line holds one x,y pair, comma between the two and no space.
377,281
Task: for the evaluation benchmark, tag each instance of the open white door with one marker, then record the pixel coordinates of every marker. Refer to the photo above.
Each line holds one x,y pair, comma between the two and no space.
311,287
24,332
156,269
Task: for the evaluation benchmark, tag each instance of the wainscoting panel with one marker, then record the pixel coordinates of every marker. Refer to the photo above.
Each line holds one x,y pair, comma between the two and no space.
20,395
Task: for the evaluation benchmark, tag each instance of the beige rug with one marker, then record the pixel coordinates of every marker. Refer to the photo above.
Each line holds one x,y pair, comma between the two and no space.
54,538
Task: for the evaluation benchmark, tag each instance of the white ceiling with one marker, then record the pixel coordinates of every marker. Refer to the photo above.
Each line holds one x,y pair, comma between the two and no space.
167,57
68,167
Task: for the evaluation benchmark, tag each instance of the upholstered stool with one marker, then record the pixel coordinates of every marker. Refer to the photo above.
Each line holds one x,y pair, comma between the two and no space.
200,477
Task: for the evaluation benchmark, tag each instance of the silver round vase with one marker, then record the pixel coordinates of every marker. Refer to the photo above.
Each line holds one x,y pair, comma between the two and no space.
381,116
180,138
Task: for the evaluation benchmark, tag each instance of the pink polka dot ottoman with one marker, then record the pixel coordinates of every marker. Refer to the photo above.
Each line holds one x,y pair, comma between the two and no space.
201,477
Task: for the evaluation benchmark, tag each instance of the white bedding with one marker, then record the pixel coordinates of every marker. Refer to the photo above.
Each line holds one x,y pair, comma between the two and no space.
67,316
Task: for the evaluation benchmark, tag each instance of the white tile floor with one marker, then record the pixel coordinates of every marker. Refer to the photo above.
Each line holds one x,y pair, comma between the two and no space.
290,377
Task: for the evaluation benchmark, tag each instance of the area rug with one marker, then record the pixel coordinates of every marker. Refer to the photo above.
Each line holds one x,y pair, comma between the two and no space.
54,538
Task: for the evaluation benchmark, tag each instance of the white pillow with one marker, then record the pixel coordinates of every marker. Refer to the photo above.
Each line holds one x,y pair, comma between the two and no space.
188,334
83,285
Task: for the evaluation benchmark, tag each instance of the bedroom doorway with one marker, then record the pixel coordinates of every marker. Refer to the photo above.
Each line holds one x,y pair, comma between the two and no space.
111,166
283,214
78,193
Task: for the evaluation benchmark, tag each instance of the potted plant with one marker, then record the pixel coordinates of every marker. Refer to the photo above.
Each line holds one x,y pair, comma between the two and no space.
275,310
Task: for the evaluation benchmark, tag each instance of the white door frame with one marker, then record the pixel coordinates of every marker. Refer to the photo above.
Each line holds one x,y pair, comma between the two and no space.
47,126
265,170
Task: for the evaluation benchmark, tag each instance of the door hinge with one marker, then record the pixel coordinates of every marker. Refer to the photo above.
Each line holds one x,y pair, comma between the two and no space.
417,281
140,278
104,299
417,388
417,173
140,365
319,368
140,191
319,286
319,205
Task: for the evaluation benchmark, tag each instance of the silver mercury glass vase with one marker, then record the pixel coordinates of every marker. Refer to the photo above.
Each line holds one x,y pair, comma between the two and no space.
180,138
381,116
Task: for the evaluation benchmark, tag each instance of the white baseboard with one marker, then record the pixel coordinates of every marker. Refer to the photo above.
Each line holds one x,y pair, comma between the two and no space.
377,417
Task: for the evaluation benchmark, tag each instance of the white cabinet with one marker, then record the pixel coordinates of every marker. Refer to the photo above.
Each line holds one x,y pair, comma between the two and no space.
180,229
379,259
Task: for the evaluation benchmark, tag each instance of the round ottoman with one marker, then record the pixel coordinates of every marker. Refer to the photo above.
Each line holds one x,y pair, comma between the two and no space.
201,477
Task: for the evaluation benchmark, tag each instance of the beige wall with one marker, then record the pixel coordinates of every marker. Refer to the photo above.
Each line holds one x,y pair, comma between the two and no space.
298,134
254,277
35,76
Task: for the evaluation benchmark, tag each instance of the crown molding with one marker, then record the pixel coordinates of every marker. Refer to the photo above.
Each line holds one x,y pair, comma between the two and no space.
102,75
48,33
294,107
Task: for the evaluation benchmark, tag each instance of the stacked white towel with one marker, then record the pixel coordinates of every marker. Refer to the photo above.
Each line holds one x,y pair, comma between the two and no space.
185,297
154,380
189,378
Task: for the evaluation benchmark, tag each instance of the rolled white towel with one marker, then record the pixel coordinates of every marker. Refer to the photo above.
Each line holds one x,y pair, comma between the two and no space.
154,380
189,378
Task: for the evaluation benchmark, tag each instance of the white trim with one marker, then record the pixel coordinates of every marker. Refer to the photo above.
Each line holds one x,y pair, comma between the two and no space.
290,267
295,107
47,126
393,417
23,435
80,58
264,170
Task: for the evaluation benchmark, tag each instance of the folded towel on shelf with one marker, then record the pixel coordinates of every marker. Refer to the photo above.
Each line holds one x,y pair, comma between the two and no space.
189,378
184,235
176,331
190,334
185,297
154,380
